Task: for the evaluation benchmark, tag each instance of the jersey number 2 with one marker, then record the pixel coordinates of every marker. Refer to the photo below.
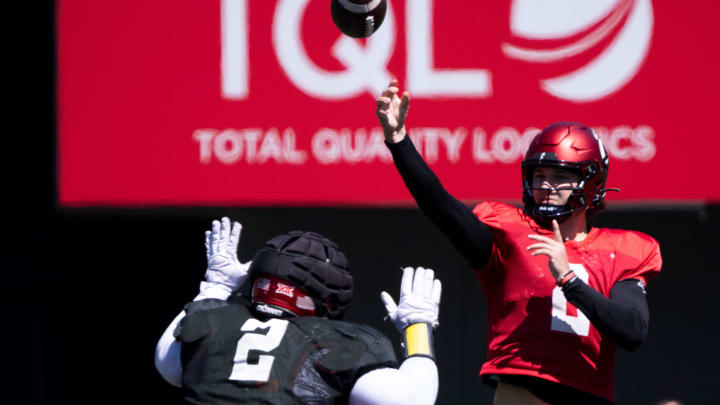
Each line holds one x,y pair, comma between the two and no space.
242,371
561,321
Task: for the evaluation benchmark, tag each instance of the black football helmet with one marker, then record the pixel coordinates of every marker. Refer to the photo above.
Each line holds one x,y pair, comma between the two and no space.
310,262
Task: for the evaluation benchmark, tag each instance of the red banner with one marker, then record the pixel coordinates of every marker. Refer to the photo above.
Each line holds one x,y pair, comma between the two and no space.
239,102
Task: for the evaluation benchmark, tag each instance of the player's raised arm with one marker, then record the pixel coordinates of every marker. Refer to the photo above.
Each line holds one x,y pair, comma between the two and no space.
469,235
223,275
415,316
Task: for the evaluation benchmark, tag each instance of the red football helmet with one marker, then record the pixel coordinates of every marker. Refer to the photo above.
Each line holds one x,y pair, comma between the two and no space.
574,147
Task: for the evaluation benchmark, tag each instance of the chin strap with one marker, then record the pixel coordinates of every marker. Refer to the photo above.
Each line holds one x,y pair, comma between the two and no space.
561,214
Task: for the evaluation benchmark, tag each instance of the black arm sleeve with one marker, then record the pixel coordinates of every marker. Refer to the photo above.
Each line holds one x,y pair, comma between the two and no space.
468,234
623,318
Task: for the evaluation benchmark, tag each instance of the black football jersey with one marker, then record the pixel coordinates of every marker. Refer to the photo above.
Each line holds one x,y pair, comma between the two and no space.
231,357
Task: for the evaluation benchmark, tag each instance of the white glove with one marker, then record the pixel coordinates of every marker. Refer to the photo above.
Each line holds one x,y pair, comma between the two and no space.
224,273
419,299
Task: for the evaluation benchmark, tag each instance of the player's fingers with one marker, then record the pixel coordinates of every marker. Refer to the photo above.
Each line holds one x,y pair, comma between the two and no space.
406,282
405,101
389,303
403,109
224,231
418,281
214,243
546,243
545,252
436,292
235,236
390,92
556,231
383,102
208,241
540,238
427,287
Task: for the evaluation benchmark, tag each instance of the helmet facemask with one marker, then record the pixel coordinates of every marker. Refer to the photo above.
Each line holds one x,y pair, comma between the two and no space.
543,214
573,147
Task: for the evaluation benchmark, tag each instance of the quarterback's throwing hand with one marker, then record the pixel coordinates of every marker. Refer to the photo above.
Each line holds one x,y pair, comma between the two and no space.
221,244
419,299
392,111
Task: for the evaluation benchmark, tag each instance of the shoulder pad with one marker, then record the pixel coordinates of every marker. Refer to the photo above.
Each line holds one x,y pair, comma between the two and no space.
194,325
202,305
359,349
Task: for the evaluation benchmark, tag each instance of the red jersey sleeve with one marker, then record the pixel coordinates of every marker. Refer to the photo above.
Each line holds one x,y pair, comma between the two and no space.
486,214
497,216
493,214
646,252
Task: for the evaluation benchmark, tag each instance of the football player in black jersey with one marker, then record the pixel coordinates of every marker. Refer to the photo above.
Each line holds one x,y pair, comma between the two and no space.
286,344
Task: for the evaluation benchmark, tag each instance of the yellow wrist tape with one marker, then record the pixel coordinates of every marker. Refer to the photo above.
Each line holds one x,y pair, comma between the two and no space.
418,340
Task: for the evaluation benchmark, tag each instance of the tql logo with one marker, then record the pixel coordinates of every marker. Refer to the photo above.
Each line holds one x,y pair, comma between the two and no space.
558,30
610,37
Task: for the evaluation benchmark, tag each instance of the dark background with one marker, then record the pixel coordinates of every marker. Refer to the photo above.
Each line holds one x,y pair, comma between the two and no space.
89,291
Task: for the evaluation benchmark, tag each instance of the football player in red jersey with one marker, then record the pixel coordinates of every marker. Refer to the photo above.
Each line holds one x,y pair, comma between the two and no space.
561,293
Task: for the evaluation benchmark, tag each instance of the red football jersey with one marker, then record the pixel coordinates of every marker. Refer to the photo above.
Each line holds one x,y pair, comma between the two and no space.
533,329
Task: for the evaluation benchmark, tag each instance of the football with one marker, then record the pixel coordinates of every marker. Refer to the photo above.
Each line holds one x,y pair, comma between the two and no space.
358,18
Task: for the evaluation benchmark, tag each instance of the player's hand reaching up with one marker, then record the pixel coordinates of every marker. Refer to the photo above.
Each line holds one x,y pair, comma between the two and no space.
554,249
392,111
224,269
419,299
